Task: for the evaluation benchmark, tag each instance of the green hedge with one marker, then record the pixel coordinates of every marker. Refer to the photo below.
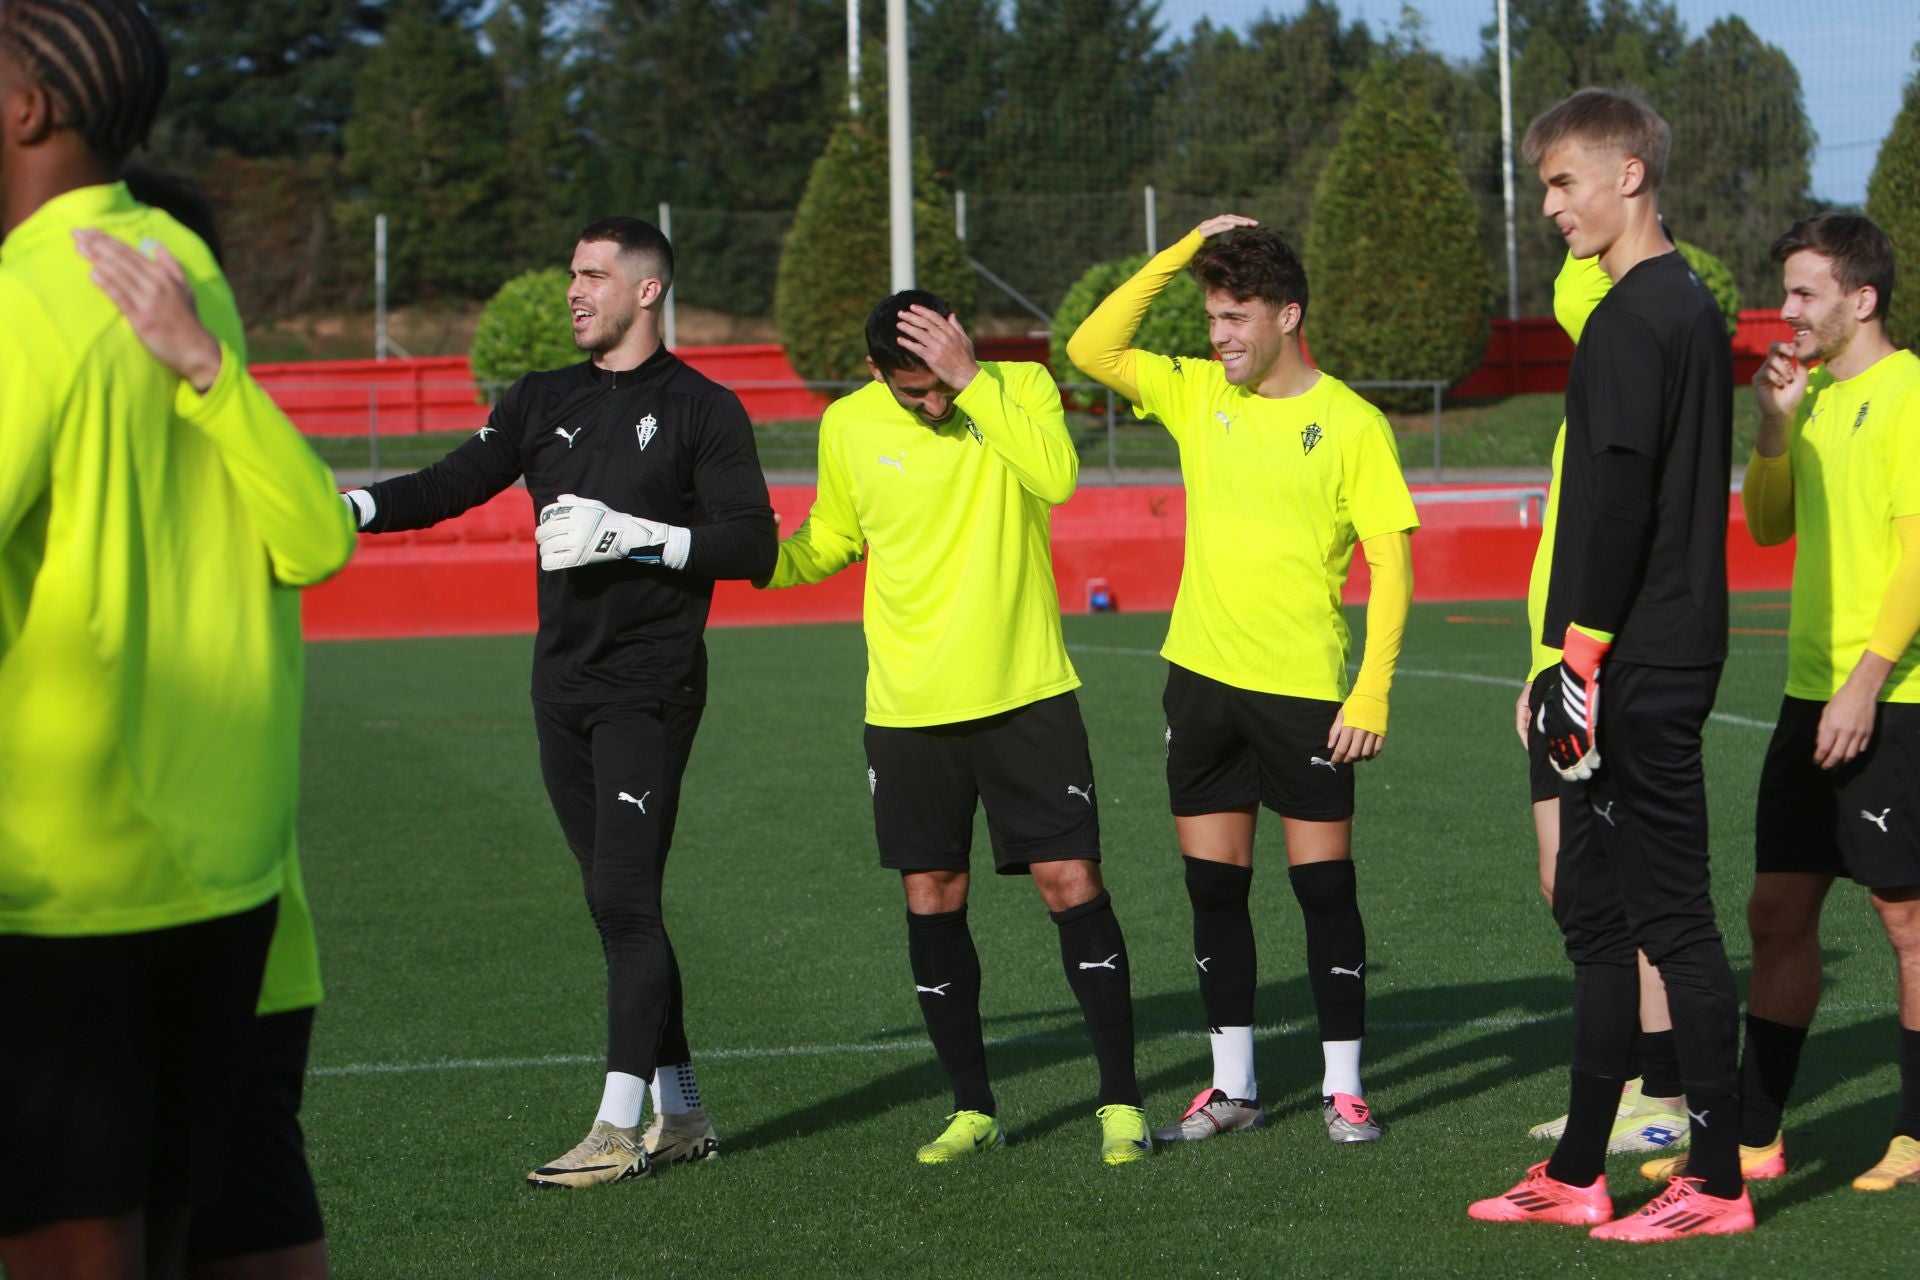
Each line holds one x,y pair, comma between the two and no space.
523,328
1175,325
1893,201
837,260
1399,288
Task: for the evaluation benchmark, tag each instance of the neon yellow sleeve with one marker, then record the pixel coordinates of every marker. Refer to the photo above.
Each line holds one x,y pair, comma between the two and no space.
1899,619
829,539
1390,560
26,412
287,491
1099,347
1017,410
1767,497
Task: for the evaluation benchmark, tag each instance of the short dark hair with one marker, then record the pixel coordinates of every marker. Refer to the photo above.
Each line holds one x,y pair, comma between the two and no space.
1253,262
883,329
1617,118
1861,253
180,198
634,235
101,62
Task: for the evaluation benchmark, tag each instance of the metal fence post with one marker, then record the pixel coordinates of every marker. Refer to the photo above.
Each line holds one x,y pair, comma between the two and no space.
1437,388
1113,456
373,430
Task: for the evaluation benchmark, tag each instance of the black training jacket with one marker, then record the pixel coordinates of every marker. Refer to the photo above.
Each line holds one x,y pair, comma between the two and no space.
661,442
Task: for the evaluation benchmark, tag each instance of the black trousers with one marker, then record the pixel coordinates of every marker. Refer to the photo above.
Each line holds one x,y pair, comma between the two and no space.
613,774
1633,873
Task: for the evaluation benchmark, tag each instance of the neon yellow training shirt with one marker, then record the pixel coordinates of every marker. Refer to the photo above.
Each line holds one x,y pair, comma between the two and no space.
962,618
1279,491
150,542
1577,290
1854,453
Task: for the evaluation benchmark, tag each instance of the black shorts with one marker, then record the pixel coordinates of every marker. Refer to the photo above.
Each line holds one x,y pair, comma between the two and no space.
117,1058
267,1199
1229,747
1543,780
1857,820
1030,767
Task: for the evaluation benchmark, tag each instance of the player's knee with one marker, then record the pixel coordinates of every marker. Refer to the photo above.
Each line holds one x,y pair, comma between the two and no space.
1781,913
1900,913
1218,886
1324,888
1067,883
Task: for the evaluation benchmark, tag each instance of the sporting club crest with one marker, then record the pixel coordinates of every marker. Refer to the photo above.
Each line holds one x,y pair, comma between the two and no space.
1310,436
1859,419
645,429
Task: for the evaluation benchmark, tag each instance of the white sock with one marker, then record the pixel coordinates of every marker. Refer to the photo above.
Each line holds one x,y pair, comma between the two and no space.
675,1092
1343,1068
1233,1062
620,1100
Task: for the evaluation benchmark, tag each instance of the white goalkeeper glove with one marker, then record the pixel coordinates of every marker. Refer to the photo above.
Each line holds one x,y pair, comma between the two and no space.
575,531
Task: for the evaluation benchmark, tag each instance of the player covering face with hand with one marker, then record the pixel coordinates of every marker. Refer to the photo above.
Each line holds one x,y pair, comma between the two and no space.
1286,469
946,469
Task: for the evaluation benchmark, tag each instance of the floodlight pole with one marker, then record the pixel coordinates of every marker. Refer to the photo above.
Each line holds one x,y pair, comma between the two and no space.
1506,163
672,334
1153,222
379,286
853,59
899,147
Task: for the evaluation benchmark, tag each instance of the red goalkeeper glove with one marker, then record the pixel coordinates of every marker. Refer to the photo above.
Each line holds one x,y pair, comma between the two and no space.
1570,719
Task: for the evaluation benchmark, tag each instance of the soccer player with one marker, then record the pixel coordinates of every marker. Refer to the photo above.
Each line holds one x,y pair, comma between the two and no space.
1651,1115
1286,468
266,1221
947,470
1836,462
649,488
153,530
1638,584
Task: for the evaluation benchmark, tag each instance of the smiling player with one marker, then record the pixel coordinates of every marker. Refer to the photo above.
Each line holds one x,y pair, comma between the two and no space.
1285,469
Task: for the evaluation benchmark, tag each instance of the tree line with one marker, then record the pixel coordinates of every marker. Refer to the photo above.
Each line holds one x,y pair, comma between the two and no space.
488,131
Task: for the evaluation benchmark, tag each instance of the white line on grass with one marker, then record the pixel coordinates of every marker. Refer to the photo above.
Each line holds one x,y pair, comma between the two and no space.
1510,1022
893,1046
1466,677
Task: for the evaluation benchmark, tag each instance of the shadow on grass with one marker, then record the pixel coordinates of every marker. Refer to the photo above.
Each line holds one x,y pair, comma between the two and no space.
1510,1028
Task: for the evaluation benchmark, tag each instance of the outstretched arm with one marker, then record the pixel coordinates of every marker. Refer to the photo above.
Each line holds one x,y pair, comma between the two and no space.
1101,346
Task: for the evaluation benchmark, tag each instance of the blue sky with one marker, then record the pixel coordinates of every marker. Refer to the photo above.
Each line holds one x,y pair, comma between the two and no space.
1851,72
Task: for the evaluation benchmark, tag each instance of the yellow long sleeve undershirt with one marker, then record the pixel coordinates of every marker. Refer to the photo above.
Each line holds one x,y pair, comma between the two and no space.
1899,619
1766,495
1389,598
1100,347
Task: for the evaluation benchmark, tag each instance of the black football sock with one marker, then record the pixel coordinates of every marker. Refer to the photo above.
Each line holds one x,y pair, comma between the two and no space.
1336,946
1659,1065
1767,1069
1581,1155
1908,1125
1094,954
1713,1153
1223,948
946,974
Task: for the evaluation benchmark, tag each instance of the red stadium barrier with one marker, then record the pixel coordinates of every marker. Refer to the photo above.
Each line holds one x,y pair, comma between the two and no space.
475,575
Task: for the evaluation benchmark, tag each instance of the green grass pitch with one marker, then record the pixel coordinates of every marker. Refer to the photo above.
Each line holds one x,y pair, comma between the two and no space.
460,1042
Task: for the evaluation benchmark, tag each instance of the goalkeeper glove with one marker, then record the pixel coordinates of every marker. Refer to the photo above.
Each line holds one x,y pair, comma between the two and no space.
1569,719
575,531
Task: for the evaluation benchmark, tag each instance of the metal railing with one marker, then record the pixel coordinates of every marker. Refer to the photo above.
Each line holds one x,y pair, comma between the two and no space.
435,413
